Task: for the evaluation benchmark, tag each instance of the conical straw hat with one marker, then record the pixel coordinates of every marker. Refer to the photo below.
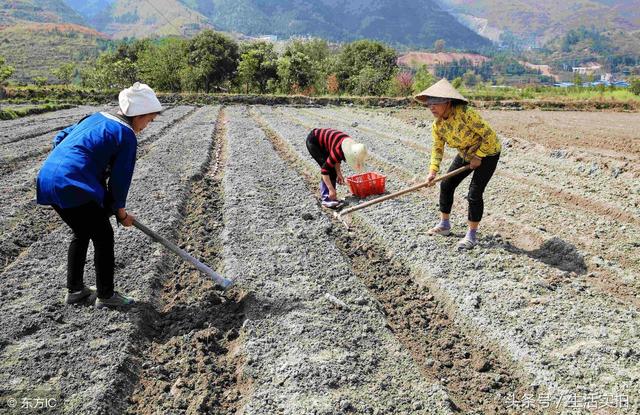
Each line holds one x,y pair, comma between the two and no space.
441,89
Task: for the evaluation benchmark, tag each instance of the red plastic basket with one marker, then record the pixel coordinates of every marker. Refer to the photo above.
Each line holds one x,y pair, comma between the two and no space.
366,184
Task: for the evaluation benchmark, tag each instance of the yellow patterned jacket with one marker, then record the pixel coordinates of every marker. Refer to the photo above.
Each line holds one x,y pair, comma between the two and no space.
466,131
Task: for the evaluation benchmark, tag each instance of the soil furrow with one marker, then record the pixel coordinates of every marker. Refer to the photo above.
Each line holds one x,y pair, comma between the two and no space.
14,131
543,167
190,363
10,162
589,137
520,161
23,222
15,155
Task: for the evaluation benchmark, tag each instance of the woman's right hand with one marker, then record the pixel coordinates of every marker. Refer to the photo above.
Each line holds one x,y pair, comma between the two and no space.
125,218
333,195
431,177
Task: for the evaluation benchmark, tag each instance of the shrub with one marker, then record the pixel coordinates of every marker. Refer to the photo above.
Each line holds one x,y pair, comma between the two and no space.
635,86
423,79
333,86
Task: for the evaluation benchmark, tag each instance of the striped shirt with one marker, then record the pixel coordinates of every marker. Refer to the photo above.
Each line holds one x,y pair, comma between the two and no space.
331,141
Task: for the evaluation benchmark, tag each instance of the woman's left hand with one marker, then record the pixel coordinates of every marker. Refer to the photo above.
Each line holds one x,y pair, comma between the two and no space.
475,162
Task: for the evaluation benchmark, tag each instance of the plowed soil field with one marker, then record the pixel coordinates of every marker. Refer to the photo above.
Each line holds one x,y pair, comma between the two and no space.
541,317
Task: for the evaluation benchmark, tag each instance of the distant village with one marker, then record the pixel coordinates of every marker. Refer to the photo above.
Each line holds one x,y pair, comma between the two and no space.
591,74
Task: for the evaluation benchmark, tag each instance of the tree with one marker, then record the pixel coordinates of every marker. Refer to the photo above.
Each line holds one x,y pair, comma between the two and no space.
161,65
423,79
322,64
577,79
316,49
65,72
470,79
370,81
212,60
109,72
258,64
635,86
366,58
457,82
438,45
295,72
403,84
131,49
5,71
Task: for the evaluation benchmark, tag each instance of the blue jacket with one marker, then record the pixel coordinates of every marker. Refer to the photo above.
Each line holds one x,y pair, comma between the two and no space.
84,156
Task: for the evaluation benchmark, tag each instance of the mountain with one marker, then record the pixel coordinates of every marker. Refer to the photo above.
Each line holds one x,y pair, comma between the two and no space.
37,36
536,23
408,23
41,11
89,8
36,49
142,18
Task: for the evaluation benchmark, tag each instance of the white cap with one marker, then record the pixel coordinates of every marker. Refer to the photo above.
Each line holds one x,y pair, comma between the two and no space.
138,100
354,153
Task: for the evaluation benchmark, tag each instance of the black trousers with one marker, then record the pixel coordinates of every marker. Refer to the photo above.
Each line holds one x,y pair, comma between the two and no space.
89,222
481,177
320,155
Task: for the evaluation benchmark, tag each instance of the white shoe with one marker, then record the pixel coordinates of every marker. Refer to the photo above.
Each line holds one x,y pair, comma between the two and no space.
466,244
331,204
439,230
78,296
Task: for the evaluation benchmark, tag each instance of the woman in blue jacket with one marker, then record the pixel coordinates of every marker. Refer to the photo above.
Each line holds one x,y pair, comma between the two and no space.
86,179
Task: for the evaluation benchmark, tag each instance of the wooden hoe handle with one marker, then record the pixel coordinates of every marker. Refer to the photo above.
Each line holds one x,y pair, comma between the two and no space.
404,191
219,279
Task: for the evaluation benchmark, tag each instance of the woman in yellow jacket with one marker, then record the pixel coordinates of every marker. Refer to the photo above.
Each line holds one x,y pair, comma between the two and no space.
462,128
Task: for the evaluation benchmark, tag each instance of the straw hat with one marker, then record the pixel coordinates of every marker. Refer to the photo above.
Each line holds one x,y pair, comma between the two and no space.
442,90
138,100
354,153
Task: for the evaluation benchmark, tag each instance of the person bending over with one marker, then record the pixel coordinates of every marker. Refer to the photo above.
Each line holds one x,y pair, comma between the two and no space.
462,128
329,148
86,179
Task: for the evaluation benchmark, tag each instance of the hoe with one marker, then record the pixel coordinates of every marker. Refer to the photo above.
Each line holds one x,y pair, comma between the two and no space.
217,278
343,217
